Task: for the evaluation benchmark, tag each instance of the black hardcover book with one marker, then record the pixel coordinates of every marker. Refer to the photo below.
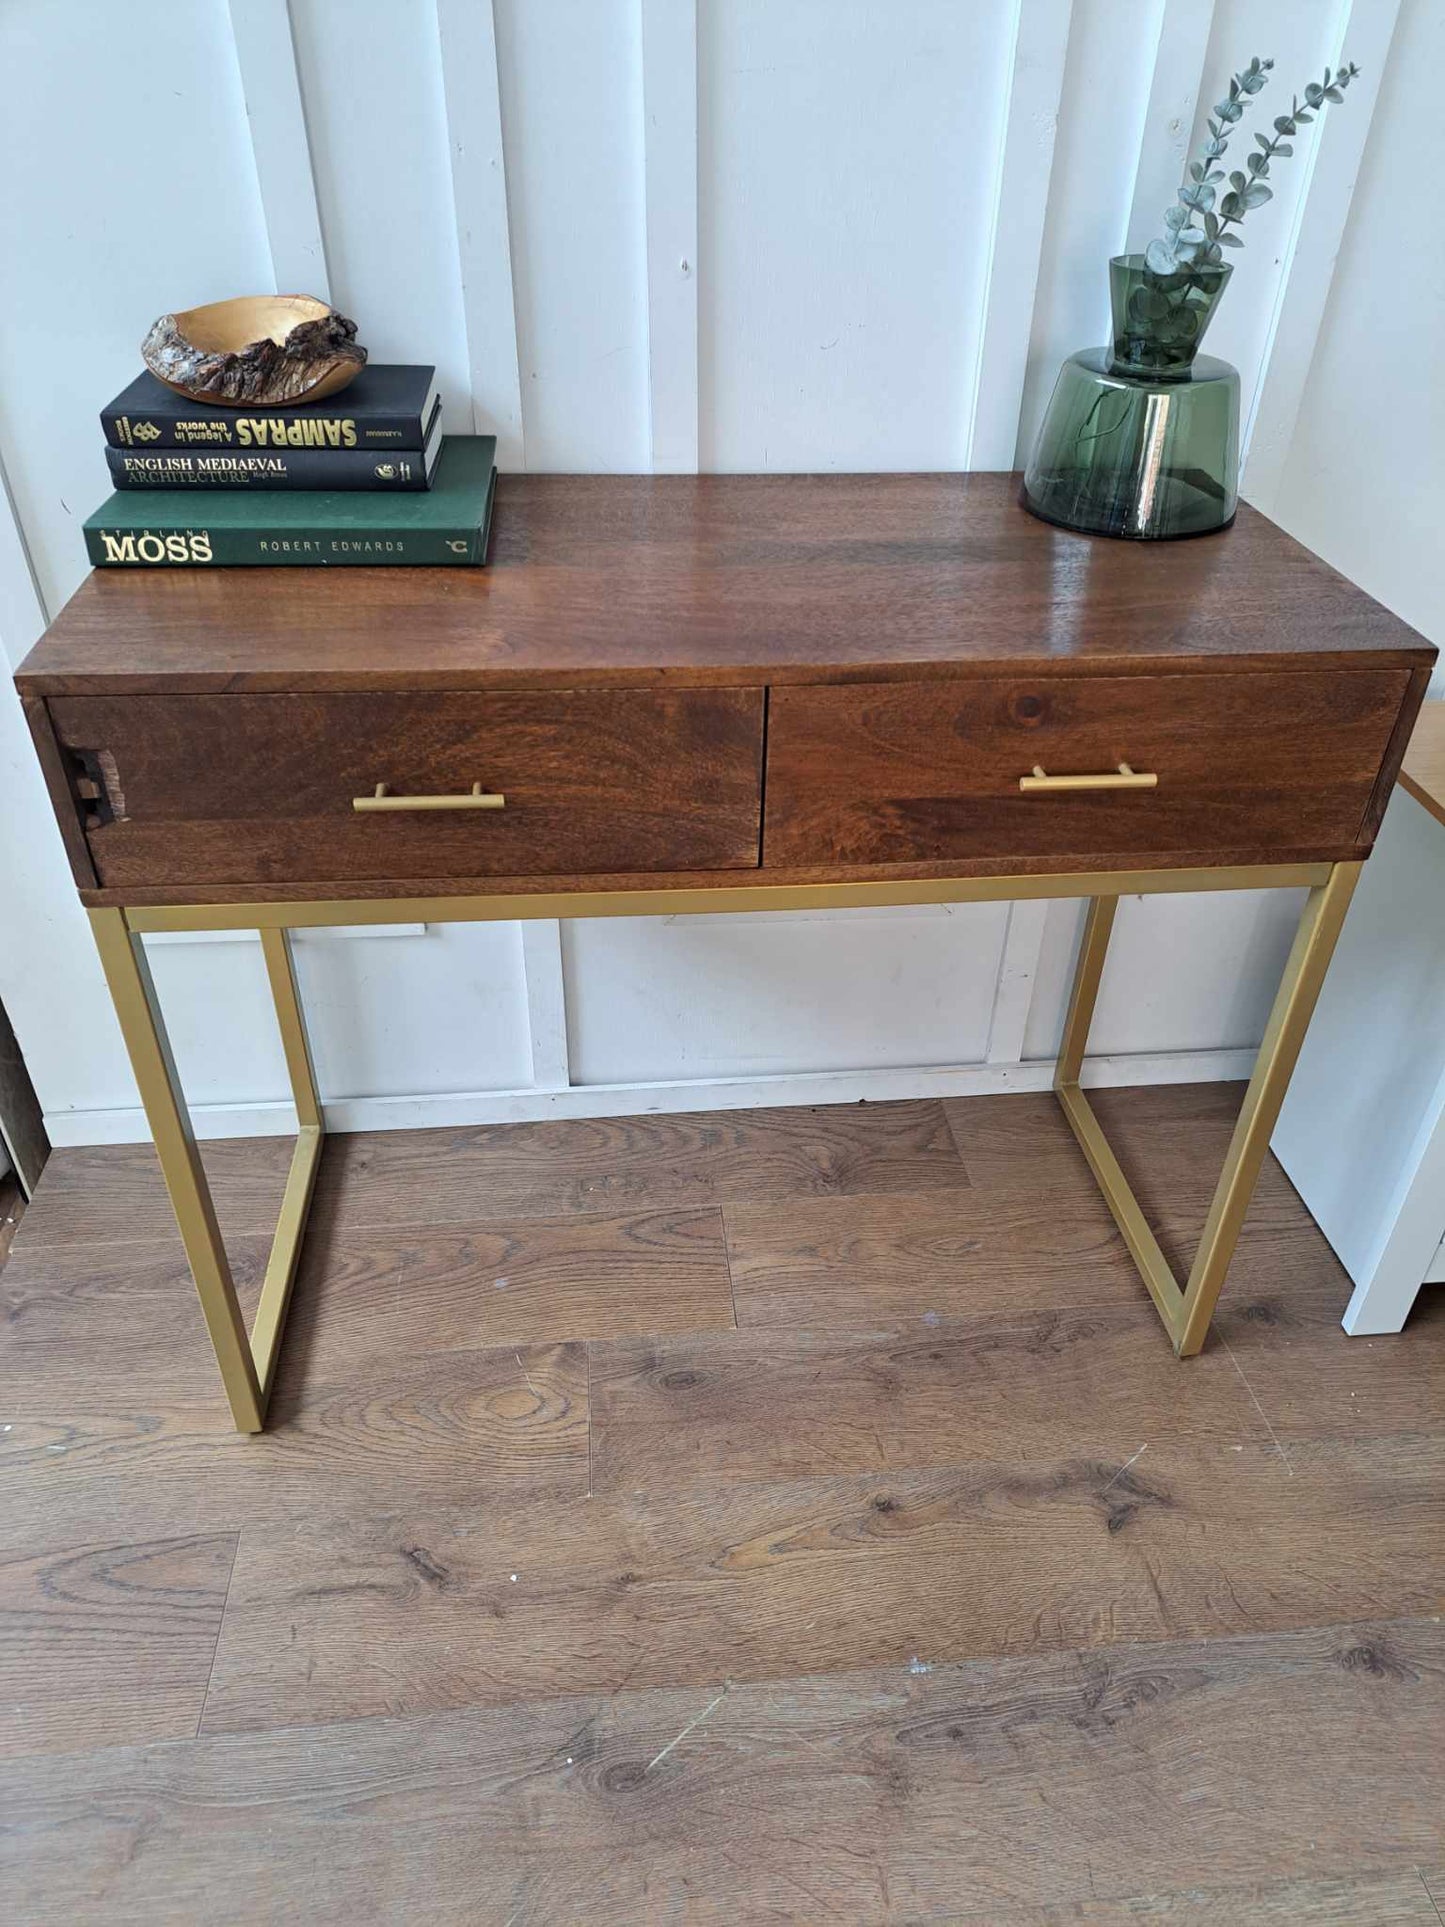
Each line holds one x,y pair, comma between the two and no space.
389,405
316,468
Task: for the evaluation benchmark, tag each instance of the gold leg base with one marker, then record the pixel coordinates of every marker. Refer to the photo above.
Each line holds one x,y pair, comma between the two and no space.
1187,1310
247,1362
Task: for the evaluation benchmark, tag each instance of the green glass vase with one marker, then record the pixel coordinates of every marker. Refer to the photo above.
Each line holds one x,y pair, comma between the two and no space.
1141,439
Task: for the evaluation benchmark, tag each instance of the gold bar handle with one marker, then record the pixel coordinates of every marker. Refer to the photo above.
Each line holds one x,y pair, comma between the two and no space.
1122,778
381,799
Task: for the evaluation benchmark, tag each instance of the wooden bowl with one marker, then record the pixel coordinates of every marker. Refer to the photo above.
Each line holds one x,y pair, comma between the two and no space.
257,351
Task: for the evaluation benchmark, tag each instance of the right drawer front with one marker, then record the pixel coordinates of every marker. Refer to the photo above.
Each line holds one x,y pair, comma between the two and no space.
929,771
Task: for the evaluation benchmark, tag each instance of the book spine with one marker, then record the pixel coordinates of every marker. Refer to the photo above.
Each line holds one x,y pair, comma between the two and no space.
200,547
290,468
273,430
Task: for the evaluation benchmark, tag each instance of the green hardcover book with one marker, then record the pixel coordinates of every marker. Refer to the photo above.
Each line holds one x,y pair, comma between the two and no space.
179,528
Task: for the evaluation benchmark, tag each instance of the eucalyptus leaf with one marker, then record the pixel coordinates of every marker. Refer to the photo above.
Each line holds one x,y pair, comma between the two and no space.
1237,181
1284,124
1176,216
1283,150
1231,207
1230,240
1256,194
1333,93
1148,304
1158,256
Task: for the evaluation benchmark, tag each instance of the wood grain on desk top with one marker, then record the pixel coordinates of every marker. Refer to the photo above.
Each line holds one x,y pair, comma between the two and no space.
1423,771
728,579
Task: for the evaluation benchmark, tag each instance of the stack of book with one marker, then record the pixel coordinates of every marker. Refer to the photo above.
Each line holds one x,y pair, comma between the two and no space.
365,476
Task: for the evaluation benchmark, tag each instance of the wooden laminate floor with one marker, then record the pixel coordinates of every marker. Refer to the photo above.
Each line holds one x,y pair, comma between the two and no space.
764,1516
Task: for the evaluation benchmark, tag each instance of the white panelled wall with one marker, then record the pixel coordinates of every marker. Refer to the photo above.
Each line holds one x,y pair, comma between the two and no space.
671,234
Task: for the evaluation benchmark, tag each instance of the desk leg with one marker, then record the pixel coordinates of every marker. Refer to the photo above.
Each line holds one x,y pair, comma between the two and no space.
1186,1313
1284,1034
247,1365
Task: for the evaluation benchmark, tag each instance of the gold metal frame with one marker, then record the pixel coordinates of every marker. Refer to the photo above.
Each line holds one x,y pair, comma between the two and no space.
248,1364
1186,1312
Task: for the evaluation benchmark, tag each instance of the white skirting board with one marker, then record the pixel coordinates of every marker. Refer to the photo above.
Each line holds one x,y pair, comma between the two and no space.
451,1109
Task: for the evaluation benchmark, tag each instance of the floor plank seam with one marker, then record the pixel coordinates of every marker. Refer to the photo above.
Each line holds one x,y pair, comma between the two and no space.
722,1218
1278,1446
1419,1875
220,1627
957,1146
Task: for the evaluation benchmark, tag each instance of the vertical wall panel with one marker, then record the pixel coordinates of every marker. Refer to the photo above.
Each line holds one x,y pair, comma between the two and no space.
1374,388
1302,37
139,194
669,105
467,38
572,121
1013,997
843,212
130,188
1096,149
1033,78
266,59
50,980
372,85
1330,166
1184,973
1180,47
693,997
546,992
388,1015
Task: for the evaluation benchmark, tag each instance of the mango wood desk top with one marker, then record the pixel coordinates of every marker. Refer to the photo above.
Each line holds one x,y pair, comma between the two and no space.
726,580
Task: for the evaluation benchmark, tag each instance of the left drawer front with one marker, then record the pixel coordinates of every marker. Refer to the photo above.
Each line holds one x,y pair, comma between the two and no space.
259,789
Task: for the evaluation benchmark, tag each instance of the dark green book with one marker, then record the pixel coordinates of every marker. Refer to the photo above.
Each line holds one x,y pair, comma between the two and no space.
447,524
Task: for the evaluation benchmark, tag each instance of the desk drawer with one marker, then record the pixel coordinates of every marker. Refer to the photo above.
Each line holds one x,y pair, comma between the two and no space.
253,789
929,772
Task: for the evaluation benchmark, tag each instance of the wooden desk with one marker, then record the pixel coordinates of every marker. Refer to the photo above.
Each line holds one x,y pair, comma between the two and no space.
718,693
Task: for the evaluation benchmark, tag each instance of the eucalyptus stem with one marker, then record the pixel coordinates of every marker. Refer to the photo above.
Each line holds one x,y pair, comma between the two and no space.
1197,230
